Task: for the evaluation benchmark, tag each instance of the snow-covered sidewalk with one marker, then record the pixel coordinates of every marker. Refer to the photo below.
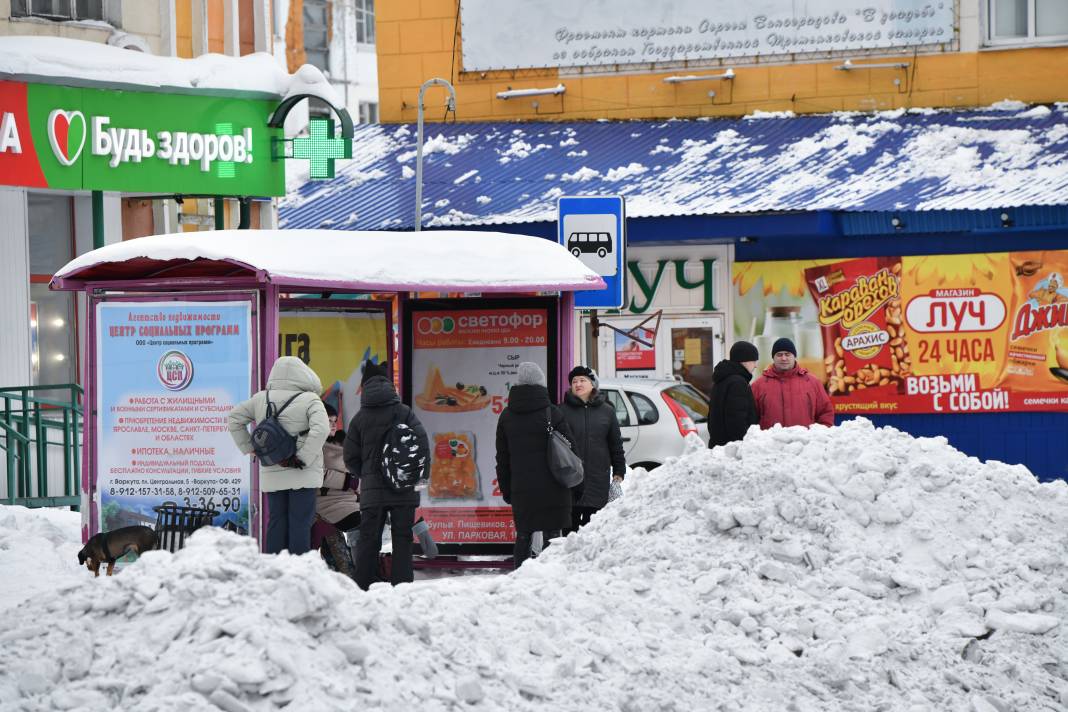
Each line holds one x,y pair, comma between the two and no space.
824,569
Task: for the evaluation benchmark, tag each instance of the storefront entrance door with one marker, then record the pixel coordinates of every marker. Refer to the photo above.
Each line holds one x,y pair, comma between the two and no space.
686,347
696,346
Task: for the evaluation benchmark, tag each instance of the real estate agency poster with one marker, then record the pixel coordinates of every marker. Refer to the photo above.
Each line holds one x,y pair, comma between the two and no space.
463,362
168,373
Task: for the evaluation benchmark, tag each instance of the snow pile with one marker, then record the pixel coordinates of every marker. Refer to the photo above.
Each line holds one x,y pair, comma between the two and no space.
42,541
70,60
845,568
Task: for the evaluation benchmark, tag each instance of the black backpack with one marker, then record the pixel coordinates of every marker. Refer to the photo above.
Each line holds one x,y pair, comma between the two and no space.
271,442
404,456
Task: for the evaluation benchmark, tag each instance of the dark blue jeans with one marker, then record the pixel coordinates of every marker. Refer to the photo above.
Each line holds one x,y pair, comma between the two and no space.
290,515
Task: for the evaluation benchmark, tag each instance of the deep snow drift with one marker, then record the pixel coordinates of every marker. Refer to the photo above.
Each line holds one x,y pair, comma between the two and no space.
846,568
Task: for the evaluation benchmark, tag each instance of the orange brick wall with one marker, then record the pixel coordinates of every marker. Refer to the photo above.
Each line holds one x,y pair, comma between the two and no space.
416,40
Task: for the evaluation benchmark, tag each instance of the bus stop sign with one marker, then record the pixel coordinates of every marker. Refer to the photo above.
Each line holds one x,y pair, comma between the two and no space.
593,229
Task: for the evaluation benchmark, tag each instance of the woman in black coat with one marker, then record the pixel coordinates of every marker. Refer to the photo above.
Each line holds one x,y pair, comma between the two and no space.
597,441
731,408
539,502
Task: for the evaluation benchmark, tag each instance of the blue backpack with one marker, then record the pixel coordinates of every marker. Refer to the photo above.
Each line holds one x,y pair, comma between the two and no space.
271,442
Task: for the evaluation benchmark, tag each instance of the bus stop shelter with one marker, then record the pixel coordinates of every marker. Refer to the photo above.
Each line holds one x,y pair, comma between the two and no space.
181,327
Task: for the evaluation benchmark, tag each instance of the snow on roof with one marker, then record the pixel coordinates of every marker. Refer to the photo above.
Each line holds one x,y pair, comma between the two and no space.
448,260
847,568
77,62
1004,156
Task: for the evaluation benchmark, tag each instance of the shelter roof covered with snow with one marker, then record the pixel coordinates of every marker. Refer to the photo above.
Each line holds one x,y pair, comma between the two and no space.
79,63
454,260
493,174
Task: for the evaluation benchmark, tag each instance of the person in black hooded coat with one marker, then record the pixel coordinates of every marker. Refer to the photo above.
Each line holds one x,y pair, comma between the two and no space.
732,408
380,407
539,502
597,441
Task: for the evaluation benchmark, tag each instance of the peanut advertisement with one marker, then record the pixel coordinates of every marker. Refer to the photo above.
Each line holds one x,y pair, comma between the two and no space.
917,334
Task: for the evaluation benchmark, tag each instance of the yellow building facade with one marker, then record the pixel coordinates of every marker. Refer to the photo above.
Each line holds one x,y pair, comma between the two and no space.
421,39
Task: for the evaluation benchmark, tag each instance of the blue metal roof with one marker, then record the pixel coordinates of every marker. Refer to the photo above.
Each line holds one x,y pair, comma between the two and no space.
498,174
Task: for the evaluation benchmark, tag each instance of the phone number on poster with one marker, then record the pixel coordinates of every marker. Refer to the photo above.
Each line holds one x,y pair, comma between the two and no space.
173,491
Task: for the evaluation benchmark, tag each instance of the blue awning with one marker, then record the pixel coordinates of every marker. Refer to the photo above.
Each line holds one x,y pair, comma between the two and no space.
1004,156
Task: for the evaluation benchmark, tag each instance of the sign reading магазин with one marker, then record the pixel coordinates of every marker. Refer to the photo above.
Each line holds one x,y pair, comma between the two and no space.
563,33
90,139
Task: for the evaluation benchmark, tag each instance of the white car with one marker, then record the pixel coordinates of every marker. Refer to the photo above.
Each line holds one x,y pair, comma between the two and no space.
655,416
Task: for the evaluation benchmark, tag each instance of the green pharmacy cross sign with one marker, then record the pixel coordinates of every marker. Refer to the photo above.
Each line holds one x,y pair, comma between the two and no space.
321,148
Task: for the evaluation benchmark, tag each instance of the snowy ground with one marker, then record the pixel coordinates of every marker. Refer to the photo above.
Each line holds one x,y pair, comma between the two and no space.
833,569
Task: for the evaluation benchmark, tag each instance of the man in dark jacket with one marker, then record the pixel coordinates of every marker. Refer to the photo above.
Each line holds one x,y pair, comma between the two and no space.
380,409
732,408
597,441
539,502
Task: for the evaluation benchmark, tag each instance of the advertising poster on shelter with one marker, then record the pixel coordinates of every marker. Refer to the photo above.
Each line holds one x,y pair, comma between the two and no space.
335,345
168,374
918,334
463,363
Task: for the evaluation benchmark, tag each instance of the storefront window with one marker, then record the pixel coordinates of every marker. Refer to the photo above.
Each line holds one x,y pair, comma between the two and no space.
59,9
317,33
365,21
52,317
368,112
1014,21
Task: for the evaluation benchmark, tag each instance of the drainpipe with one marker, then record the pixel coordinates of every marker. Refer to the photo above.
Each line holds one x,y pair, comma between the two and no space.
419,144
98,219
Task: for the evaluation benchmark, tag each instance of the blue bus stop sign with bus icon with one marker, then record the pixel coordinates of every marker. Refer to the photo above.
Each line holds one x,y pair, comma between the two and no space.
593,229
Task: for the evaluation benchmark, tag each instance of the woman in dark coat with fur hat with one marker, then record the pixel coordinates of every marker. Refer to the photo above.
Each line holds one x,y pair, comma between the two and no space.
597,441
539,502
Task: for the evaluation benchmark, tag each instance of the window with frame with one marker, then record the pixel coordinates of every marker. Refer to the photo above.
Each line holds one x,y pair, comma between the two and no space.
365,21
368,112
1021,21
317,16
60,10
53,315
646,410
622,414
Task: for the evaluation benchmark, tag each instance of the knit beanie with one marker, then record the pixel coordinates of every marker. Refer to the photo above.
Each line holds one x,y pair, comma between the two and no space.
371,370
743,351
330,410
783,344
583,371
530,374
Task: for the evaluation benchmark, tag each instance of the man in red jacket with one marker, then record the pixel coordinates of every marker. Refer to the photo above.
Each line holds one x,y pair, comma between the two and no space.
788,394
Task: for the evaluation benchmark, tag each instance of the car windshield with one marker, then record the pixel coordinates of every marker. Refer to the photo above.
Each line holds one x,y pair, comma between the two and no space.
691,401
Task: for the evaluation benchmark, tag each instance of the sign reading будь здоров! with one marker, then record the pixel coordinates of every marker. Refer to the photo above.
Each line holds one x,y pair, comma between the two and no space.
168,374
563,33
72,138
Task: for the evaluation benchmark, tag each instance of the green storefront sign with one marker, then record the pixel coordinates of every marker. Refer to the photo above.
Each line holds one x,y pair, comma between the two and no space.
138,142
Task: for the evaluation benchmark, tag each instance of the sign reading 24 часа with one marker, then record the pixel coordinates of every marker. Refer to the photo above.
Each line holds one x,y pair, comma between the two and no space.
562,33
91,139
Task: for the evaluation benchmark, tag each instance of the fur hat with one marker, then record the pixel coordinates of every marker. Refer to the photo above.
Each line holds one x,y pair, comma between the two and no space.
783,344
743,351
530,374
370,370
583,371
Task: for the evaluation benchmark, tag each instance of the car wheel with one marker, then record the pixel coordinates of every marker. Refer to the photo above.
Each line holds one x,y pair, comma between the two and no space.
576,252
602,252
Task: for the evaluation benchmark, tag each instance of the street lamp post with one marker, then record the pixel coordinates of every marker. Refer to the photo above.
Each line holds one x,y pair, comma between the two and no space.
419,144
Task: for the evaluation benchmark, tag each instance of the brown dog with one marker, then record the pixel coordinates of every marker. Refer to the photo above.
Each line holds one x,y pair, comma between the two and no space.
106,547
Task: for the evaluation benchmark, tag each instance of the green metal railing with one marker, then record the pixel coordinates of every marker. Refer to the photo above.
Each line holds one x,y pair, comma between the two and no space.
30,425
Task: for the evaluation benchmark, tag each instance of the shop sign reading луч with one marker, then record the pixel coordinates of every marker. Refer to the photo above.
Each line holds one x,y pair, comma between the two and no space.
92,139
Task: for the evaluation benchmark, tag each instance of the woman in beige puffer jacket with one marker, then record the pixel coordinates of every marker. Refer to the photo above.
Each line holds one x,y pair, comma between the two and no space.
291,491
